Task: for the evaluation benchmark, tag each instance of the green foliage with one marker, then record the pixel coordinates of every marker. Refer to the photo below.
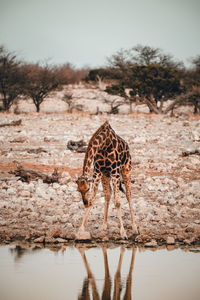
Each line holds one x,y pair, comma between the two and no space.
191,78
104,73
153,80
116,90
191,98
147,73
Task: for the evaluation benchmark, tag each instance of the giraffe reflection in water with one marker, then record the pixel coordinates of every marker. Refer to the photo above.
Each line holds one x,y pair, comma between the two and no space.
90,282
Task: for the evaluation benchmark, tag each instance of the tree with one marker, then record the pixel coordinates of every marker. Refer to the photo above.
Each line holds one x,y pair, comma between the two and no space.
41,81
150,84
71,74
142,56
146,55
196,62
150,76
121,60
12,78
104,73
154,83
191,88
191,98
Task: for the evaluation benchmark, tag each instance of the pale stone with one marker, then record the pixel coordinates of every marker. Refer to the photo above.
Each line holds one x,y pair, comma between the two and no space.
50,240
83,236
11,191
152,243
60,240
39,240
56,185
170,240
25,194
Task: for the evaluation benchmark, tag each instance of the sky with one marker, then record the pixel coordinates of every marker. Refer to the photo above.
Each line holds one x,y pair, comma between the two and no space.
87,32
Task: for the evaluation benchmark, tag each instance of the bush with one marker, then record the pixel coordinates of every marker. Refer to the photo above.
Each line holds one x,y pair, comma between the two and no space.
104,73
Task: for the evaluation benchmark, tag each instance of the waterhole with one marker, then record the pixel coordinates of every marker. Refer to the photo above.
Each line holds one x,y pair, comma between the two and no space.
101,272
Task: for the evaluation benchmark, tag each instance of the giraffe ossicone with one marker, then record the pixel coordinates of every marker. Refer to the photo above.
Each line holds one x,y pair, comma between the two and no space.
111,158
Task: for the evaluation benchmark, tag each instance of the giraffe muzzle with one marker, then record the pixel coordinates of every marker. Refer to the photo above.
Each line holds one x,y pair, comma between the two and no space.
85,202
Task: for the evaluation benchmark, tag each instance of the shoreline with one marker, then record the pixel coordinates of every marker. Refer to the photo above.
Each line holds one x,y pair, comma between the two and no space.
165,184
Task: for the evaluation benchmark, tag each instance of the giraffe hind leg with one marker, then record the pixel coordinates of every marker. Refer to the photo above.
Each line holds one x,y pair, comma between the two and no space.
127,181
116,183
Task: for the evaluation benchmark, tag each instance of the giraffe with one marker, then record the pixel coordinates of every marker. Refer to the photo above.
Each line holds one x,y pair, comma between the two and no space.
112,160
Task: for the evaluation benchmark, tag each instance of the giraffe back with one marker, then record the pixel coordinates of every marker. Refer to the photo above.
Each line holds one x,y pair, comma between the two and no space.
109,152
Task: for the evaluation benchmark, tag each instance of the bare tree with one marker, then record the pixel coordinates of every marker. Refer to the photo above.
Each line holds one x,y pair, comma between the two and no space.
12,78
71,74
67,98
41,81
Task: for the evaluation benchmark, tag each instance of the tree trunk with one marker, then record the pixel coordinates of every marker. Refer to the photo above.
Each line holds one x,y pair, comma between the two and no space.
151,105
131,108
5,103
161,104
195,107
38,107
37,101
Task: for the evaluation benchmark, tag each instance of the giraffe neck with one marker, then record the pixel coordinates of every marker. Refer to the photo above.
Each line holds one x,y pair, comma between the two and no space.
94,146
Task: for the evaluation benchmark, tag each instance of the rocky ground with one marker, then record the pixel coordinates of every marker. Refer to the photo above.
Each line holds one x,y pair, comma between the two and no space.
165,183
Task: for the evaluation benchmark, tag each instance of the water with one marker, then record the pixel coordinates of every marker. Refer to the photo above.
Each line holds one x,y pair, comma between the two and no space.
69,272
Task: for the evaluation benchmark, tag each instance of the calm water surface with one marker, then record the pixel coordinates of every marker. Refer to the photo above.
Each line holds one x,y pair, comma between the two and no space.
67,273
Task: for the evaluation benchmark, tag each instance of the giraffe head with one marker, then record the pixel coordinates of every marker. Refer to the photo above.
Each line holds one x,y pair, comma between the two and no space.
83,183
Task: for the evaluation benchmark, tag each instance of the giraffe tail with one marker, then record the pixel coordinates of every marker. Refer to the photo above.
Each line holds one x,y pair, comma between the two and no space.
121,188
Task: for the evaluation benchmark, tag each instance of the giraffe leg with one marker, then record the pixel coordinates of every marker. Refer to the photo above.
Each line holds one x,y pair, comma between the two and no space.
82,228
107,194
91,201
96,179
127,182
116,182
117,280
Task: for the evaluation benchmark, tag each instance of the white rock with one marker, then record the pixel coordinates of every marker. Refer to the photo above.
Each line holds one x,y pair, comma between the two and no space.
72,188
196,136
152,243
170,240
56,185
139,140
11,191
25,193
40,191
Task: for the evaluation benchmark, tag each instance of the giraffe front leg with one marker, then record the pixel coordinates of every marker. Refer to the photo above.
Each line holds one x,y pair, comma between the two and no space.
82,234
107,195
96,179
122,230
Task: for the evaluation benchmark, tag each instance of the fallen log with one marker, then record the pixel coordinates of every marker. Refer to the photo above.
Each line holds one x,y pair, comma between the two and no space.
78,146
13,123
26,175
192,152
36,151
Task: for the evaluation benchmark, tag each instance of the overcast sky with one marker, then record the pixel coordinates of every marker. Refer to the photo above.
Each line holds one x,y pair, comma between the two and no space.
86,32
